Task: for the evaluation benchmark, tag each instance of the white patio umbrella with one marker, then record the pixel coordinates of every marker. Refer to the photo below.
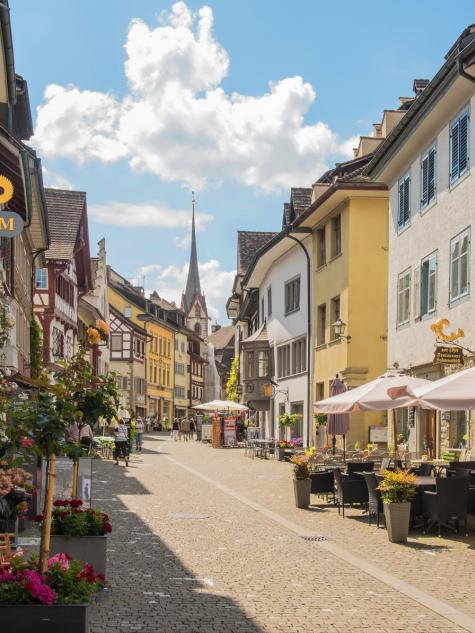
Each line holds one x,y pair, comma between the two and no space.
222,405
373,396
451,393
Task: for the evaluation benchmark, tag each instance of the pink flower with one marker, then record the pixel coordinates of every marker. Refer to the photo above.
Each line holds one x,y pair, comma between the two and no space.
61,559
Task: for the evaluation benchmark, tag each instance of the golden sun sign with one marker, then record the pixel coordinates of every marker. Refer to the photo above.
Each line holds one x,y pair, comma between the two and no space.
438,328
7,189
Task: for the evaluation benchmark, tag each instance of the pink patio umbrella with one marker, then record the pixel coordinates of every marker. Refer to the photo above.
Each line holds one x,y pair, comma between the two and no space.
338,423
451,393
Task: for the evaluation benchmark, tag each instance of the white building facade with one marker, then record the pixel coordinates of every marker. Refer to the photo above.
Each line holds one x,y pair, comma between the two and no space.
426,163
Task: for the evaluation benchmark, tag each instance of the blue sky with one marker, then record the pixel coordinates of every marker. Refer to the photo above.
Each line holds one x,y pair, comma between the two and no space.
139,142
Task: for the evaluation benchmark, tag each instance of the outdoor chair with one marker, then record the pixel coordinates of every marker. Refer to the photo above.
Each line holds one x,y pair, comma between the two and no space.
423,470
323,483
358,467
375,502
449,503
349,490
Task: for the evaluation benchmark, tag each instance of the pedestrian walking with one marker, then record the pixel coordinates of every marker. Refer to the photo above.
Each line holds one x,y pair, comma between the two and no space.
192,428
185,429
86,437
175,429
139,429
121,443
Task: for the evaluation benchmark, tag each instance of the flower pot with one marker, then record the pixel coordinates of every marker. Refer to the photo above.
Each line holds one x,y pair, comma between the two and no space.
87,549
302,492
397,520
280,454
41,618
9,526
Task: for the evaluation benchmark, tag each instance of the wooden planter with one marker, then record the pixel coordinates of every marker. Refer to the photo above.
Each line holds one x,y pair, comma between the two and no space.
397,517
87,549
302,492
39,618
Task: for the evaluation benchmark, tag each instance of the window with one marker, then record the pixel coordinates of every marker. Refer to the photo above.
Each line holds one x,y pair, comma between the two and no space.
41,278
283,361
321,324
459,265
168,348
334,316
296,408
428,177
404,195
122,382
180,369
183,346
176,345
58,343
292,295
321,248
197,329
197,312
179,391
116,342
263,363
320,391
459,146
250,365
299,357
428,284
127,312
168,377
336,236
269,302
403,297
155,374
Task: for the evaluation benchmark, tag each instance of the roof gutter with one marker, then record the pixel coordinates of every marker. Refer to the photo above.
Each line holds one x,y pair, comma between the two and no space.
9,59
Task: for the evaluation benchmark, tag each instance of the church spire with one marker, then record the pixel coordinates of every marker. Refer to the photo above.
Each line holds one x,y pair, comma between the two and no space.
193,286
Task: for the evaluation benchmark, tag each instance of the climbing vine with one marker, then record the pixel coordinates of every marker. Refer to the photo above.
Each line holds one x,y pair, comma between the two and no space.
232,384
6,323
36,347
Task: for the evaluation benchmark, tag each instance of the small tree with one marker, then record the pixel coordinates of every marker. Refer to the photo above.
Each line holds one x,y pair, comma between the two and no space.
232,384
36,347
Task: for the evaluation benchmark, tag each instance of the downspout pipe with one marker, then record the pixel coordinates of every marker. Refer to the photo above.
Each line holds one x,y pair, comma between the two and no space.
308,231
462,72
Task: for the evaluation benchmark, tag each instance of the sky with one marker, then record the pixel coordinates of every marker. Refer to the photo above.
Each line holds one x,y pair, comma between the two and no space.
140,103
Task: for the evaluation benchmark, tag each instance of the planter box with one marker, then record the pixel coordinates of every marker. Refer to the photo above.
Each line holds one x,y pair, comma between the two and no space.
280,454
87,549
39,618
397,520
302,492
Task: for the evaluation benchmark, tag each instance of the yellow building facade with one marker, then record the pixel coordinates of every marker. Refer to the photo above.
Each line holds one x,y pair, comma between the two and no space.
349,223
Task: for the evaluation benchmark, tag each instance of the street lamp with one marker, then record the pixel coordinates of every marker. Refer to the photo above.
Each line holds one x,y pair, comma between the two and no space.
339,328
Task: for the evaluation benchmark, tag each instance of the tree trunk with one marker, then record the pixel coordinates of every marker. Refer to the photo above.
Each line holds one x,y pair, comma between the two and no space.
47,514
74,487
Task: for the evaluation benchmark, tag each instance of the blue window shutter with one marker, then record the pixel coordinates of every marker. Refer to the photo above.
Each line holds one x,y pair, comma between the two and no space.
463,142
425,181
400,218
406,201
454,151
431,175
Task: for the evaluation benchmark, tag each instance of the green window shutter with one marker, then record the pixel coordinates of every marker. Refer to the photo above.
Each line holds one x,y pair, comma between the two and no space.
431,175
425,181
463,143
454,151
407,212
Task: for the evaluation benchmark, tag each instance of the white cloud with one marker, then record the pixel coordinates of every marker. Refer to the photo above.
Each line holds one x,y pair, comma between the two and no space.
178,122
152,214
170,282
55,181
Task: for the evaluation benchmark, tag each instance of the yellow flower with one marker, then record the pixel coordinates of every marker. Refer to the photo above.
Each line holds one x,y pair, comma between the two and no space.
102,327
93,336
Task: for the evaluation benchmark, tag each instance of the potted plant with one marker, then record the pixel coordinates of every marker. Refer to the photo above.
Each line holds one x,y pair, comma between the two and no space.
302,480
288,420
79,533
13,497
397,490
281,446
54,601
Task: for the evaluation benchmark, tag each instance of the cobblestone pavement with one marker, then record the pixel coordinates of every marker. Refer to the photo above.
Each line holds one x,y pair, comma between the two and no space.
210,541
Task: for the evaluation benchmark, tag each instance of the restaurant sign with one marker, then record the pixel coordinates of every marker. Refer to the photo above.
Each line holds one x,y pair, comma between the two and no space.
445,355
11,223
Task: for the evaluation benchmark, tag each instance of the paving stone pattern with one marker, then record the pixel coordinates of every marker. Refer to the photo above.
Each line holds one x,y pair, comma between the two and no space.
188,557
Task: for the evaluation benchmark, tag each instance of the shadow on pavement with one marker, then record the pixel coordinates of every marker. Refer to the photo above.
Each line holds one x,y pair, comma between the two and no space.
149,589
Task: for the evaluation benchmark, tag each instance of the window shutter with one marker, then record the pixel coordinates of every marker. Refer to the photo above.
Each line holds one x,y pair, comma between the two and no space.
454,151
431,175
425,181
400,220
417,293
463,143
406,200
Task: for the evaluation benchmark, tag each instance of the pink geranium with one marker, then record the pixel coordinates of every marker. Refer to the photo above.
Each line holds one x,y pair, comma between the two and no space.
61,559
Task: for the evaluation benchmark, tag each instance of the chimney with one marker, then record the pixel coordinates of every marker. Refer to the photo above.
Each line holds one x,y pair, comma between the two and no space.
377,130
215,327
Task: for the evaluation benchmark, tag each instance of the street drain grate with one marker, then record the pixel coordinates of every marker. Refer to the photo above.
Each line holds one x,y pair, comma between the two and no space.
314,538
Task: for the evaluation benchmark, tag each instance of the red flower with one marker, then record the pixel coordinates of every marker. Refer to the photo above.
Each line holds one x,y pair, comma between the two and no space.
75,503
107,527
105,516
38,518
60,503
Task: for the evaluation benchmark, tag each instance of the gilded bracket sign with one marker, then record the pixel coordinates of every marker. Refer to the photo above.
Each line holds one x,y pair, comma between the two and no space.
438,328
11,223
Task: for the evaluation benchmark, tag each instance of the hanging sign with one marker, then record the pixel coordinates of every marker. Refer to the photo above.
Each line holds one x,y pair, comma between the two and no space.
11,223
448,355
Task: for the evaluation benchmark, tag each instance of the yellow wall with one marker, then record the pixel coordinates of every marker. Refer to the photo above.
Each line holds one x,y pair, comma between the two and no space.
359,277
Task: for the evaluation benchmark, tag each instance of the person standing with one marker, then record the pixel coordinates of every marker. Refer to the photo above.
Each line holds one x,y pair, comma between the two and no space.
121,443
185,428
192,428
139,429
175,429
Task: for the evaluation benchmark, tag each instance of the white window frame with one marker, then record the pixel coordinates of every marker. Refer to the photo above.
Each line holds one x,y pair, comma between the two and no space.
425,160
459,239
295,306
41,275
404,273
430,309
456,174
406,178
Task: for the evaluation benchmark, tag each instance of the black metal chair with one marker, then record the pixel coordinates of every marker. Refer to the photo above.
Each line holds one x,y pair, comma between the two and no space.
349,490
358,467
447,504
375,502
323,483
423,470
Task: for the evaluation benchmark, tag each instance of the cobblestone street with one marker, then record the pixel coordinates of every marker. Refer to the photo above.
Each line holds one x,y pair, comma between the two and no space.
209,540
